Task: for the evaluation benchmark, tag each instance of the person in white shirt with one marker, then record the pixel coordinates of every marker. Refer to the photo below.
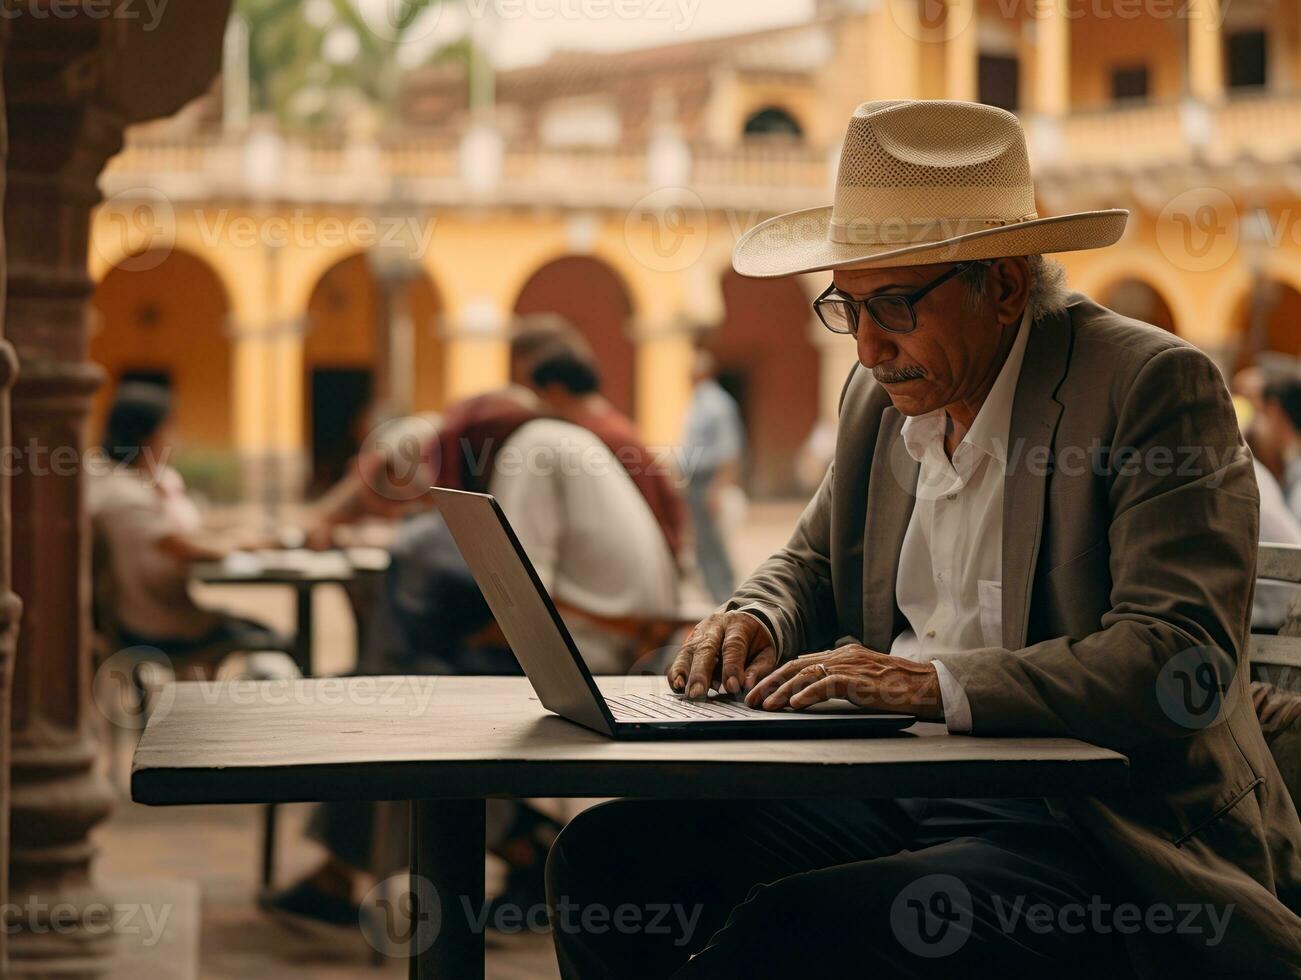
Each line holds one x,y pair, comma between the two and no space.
590,534
149,532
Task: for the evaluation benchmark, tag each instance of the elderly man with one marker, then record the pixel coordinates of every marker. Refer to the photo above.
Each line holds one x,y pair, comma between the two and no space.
1040,521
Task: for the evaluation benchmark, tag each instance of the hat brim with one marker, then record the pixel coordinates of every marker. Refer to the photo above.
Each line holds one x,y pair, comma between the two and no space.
798,242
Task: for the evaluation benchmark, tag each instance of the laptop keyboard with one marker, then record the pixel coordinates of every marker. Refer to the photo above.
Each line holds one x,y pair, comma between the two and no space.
672,707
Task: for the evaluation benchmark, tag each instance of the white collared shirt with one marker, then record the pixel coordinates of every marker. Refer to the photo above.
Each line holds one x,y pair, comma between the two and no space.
950,580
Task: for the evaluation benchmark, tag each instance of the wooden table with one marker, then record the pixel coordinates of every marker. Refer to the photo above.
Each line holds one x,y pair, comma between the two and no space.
447,743
303,571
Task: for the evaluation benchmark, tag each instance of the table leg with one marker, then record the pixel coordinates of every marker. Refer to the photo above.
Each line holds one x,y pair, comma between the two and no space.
302,652
268,845
447,845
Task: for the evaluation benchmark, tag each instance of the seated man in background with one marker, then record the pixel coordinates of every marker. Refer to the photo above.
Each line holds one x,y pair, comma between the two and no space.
599,550
148,532
568,383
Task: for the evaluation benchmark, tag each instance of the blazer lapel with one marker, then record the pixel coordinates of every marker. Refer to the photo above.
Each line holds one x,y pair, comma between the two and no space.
1035,414
890,495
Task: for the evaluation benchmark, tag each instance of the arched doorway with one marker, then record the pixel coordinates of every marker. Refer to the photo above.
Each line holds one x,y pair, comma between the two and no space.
592,296
773,121
769,364
355,371
1268,318
163,318
1136,298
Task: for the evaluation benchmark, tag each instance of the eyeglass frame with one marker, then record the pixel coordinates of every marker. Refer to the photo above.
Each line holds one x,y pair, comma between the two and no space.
910,299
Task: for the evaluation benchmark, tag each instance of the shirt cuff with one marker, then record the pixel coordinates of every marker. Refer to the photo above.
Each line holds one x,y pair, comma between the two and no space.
953,699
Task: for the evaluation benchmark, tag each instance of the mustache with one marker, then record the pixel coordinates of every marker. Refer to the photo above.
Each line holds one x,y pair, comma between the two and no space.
887,376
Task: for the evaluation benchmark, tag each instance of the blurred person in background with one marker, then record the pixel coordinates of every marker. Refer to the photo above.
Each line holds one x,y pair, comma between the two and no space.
568,384
1278,432
713,441
598,548
148,532
1278,525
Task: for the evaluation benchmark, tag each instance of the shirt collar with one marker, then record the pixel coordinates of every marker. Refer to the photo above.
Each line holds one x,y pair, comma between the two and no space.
989,432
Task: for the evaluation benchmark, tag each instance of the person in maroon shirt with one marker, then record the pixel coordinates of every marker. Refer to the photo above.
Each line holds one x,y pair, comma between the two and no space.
569,387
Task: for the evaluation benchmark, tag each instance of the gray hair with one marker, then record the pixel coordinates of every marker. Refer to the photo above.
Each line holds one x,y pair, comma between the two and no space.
1048,289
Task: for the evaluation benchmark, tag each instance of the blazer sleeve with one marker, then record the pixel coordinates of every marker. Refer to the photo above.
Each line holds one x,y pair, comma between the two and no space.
791,592
1183,538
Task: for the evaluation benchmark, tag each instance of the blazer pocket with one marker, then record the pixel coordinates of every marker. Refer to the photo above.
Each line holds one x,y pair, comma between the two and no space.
990,595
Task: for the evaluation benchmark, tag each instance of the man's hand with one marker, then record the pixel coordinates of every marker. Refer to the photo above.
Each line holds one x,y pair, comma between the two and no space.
857,674
731,651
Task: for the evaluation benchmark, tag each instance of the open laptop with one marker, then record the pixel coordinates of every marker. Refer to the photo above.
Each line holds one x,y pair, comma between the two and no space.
627,710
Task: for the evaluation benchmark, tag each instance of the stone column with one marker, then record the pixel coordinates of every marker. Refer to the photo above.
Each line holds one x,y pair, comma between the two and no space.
961,51
10,607
1205,51
72,85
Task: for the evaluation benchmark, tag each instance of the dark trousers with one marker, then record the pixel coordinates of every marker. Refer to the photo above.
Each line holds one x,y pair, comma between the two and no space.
854,888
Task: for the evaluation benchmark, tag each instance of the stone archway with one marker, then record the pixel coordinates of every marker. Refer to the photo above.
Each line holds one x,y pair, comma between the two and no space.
368,350
1267,317
164,317
591,295
1140,300
770,365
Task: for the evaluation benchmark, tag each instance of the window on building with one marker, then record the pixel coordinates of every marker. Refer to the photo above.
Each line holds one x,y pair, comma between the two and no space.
998,81
1247,59
772,121
1129,83
149,376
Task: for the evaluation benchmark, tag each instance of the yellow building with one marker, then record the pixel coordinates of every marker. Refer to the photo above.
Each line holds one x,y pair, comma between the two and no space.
284,284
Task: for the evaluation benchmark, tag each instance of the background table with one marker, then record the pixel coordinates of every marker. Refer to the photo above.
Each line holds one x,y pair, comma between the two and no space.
302,571
447,743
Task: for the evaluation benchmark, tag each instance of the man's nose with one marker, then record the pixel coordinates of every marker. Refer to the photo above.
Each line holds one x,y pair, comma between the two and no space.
874,344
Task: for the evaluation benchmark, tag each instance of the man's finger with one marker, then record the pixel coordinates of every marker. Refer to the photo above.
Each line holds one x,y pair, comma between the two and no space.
704,657
807,676
760,667
736,649
774,680
831,686
681,666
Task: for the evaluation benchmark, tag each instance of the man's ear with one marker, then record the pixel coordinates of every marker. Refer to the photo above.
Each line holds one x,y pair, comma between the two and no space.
1009,280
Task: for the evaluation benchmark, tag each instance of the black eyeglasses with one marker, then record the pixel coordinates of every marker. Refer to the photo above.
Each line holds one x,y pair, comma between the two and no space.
892,312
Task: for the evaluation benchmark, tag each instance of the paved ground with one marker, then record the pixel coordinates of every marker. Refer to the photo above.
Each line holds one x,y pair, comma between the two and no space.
217,848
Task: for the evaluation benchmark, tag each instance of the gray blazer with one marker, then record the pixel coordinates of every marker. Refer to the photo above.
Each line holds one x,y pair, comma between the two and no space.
1127,575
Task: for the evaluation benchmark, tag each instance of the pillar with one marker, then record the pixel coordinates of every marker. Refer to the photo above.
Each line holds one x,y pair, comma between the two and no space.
1052,62
961,51
10,607
72,84
1205,50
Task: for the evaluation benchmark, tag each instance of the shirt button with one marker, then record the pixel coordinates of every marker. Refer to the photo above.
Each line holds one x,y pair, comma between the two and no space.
930,634
951,496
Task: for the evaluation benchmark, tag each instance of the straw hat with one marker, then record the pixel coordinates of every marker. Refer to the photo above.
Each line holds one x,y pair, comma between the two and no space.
922,182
